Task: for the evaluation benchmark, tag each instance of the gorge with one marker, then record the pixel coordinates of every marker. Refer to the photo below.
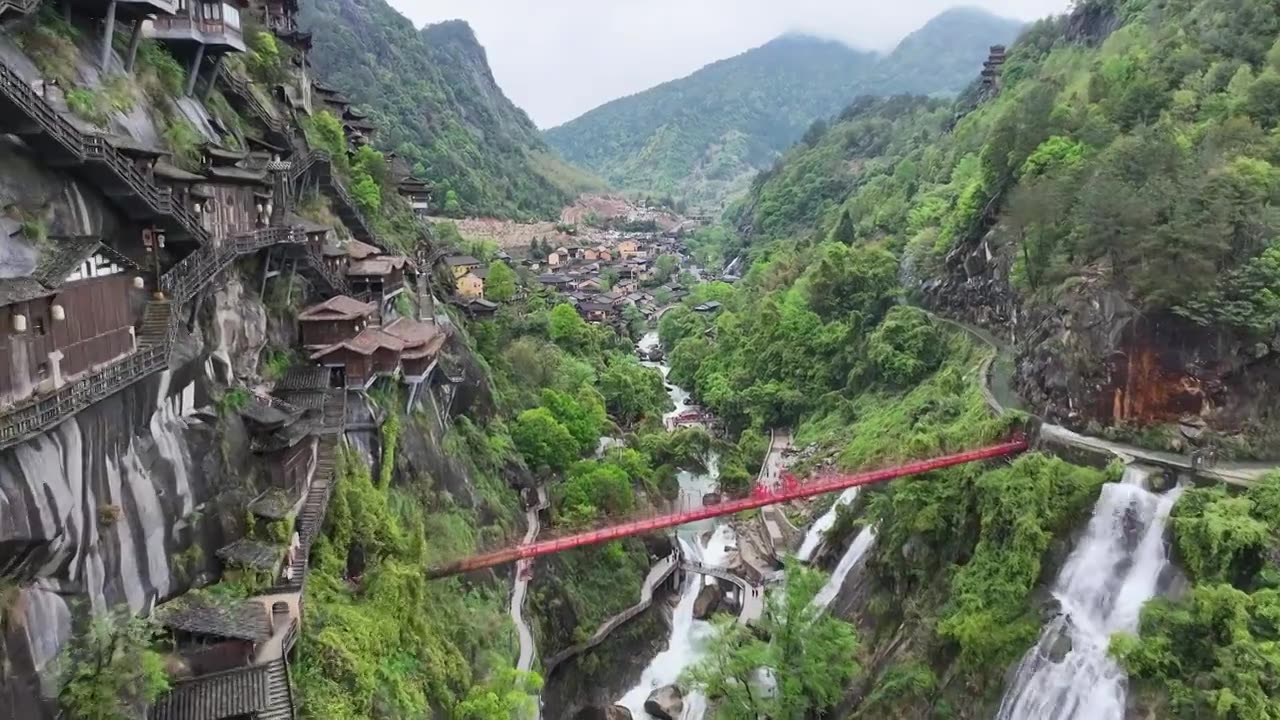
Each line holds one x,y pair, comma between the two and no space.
299,313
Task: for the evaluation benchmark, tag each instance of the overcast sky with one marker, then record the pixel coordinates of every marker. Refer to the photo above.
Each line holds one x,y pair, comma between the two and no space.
559,58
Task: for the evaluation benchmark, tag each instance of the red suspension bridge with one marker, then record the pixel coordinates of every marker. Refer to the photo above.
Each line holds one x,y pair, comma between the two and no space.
760,496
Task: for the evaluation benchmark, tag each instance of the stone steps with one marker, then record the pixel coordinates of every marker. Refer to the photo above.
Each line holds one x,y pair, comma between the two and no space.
279,693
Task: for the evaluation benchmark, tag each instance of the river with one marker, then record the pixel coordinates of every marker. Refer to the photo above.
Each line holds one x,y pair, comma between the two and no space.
709,542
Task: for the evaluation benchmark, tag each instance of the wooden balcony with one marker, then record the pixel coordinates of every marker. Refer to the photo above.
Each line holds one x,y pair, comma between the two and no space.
219,34
23,112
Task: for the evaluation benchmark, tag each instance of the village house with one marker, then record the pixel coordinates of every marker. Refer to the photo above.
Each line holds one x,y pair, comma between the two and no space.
629,249
460,265
595,311
236,198
471,285
286,445
555,281
74,312
362,359
213,636
334,320
379,278
590,284
422,344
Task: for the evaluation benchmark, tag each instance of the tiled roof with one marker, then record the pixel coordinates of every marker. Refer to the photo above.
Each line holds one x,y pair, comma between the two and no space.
357,250
338,307
420,339
381,265
273,504
229,694
304,378
456,260
369,341
235,174
252,554
202,614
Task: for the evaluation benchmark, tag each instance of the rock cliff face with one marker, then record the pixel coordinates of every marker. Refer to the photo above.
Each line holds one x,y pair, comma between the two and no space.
103,510
1090,356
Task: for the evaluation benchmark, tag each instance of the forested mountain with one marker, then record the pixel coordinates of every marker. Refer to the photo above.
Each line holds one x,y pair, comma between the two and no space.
703,136
1120,166
1106,213
434,98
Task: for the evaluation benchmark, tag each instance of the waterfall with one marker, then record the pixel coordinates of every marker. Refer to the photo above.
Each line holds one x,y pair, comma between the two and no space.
687,643
817,533
689,637
857,550
1113,571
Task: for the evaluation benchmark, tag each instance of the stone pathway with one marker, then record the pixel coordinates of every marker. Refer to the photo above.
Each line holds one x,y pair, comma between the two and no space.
524,573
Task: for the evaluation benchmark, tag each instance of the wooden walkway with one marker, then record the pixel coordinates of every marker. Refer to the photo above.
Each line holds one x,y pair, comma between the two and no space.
752,606
658,574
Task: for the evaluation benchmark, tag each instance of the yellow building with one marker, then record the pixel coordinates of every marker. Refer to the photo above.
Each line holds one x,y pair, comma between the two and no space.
629,248
471,285
460,265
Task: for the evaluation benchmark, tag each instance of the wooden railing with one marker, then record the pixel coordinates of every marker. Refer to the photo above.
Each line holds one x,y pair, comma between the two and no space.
96,151
319,164
180,284
244,93
657,576
19,7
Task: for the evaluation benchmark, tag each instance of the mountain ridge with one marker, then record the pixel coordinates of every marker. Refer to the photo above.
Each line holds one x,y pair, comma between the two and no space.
432,92
703,136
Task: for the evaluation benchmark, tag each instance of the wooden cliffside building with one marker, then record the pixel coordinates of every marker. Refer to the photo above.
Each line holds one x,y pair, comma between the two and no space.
71,313
358,361
991,66
337,319
201,31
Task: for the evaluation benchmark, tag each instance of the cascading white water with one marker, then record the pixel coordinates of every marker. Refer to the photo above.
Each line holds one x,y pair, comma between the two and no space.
817,533
848,562
687,644
1113,571
688,636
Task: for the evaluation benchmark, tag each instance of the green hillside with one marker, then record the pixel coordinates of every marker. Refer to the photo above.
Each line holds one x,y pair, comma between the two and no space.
702,137
433,96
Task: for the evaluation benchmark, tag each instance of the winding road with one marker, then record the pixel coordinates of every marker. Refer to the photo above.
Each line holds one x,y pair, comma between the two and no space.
1001,396
523,575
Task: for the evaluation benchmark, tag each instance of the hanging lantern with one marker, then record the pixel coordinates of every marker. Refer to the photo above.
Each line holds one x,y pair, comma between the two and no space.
58,313
20,323
139,283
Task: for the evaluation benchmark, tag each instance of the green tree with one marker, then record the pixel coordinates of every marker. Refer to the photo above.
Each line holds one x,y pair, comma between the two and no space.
545,444
844,232
110,671
632,391
500,286
904,348
324,132
845,280
568,330
584,417
509,695
452,205
594,487
810,653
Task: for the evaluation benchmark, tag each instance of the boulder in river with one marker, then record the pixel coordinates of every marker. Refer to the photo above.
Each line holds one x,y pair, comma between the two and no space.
707,602
665,703
617,712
